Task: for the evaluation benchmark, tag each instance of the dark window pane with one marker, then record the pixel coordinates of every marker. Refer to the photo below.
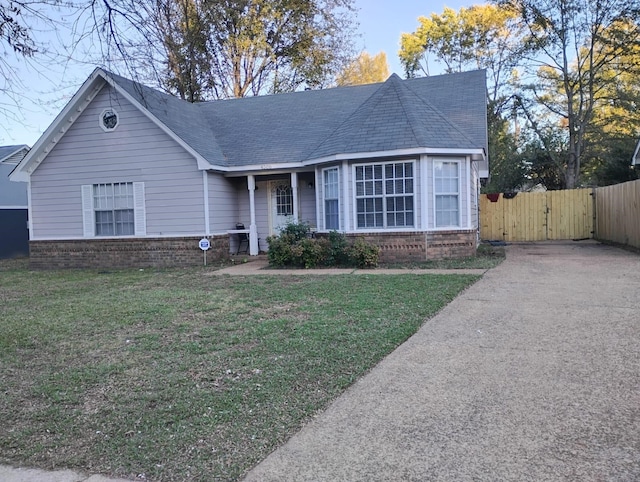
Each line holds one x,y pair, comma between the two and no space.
331,214
408,186
389,187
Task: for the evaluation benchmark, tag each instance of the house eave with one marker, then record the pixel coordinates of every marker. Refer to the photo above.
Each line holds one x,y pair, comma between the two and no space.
475,154
58,128
14,152
398,153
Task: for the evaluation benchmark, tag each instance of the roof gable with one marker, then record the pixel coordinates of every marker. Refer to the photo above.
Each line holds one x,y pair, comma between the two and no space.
13,154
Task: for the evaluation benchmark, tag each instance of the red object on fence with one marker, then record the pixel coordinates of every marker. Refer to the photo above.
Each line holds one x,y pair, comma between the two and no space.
493,197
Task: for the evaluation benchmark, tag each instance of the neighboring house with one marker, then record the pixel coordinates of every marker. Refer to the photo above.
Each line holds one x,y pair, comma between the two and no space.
635,160
129,176
14,234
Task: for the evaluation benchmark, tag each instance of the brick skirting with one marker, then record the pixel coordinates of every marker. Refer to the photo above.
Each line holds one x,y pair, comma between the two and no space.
420,246
125,253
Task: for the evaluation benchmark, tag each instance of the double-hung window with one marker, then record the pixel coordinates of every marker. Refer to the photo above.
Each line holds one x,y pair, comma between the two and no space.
446,175
331,187
114,209
385,195
113,205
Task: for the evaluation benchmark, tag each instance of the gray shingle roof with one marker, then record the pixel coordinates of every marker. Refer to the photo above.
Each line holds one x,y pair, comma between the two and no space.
446,111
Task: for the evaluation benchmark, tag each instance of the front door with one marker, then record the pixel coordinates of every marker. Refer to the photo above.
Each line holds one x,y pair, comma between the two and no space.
281,201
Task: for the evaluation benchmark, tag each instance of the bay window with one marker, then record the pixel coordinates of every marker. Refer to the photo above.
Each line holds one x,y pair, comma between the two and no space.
384,195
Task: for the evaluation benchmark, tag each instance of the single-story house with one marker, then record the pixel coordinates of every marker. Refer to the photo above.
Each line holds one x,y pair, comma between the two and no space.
129,176
14,234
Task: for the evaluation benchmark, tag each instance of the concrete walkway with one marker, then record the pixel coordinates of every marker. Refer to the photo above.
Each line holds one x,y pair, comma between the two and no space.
532,374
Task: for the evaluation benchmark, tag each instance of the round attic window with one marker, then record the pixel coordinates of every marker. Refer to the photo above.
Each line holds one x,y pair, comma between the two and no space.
109,119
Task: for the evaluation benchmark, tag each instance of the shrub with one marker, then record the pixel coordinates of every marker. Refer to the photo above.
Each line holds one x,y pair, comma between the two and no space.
279,253
296,231
338,249
294,247
364,255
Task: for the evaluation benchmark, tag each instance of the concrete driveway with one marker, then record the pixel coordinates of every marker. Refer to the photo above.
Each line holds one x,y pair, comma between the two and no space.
531,374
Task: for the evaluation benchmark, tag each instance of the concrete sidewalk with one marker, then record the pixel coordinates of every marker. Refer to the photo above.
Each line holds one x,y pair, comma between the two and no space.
532,374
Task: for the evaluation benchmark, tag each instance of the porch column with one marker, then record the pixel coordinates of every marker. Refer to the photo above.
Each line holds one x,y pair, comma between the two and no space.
253,230
294,191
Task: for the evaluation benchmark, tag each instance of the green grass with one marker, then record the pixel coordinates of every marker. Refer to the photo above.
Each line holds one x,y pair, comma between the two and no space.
182,375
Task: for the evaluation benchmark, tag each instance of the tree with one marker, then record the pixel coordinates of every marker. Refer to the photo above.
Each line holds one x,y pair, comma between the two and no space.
478,37
234,48
17,39
571,44
365,69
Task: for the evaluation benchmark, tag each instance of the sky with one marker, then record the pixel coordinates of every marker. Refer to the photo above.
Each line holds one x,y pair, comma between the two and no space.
47,87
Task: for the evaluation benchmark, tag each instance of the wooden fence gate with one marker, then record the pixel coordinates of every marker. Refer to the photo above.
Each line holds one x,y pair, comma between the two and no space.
538,216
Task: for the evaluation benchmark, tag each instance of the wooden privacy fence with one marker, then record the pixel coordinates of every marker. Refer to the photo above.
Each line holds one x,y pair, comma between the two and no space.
538,216
618,213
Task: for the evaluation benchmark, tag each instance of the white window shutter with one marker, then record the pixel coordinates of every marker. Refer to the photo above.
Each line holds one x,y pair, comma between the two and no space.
88,220
140,215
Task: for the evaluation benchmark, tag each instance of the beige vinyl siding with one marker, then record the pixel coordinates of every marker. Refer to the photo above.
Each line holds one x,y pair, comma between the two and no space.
307,197
223,202
136,151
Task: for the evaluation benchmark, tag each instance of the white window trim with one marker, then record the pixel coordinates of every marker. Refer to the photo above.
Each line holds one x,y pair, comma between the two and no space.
383,229
324,198
435,194
89,213
100,120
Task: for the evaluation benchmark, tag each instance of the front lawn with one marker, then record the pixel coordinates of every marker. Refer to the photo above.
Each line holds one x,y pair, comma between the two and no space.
183,375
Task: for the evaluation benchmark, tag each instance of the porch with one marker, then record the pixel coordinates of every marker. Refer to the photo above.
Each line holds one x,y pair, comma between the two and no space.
266,203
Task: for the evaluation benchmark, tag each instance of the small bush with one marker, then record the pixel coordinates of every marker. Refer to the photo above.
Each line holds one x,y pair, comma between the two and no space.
364,255
296,231
338,249
294,247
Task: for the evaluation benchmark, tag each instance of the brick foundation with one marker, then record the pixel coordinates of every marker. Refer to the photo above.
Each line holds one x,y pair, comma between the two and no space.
420,246
125,253
451,244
